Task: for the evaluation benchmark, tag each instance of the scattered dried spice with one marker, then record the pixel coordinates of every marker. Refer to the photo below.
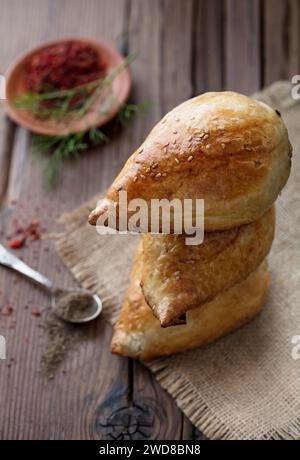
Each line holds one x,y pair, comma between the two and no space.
7,310
13,323
31,232
15,243
61,335
36,312
61,338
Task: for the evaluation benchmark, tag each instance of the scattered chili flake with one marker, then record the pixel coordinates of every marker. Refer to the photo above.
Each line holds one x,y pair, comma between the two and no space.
7,310
36,312
15,243
13,323
19,229
30,232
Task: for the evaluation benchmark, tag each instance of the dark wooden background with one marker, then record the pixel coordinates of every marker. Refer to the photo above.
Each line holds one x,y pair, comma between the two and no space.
182,48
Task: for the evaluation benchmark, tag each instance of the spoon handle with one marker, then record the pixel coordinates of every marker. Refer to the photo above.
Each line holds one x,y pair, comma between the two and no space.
11,261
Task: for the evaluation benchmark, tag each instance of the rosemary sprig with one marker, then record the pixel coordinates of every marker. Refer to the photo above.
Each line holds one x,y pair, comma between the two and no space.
73,102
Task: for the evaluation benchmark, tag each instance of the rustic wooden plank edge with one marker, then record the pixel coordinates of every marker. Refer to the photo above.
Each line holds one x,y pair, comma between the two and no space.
6,157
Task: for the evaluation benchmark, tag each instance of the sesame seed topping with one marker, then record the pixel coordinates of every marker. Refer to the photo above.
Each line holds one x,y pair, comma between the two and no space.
190,158
147,170
158,175
166,144
164,174
141,150
134,179
154,165
223,145
177,119
142,176
190,138
174,131
206,136
165,150
208,146
177,161
164,120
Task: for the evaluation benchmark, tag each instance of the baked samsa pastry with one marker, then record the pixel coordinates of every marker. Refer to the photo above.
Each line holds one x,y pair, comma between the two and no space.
223,147
138,333
177,278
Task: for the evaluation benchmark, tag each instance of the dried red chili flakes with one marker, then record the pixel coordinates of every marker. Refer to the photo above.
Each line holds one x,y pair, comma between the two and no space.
31,231
64,66
15,243
13,323
36,312
7,310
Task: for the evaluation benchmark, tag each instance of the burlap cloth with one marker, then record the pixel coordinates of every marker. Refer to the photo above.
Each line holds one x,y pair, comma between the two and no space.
246,385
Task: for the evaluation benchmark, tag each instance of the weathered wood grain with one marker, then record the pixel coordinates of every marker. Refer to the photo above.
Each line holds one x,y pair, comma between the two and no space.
7,133
242,46
208,46
281,20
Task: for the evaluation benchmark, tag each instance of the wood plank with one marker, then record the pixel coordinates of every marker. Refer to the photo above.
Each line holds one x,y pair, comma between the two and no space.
208,46
7,134
69,406
281,20
242,46
176,58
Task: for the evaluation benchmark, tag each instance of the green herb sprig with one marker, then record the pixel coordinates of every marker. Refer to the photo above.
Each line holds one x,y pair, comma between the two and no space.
61,148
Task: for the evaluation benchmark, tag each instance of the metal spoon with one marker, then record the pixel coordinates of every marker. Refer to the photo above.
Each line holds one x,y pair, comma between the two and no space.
11,261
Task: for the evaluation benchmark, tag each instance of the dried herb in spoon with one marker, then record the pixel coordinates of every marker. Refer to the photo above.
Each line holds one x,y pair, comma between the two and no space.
73,305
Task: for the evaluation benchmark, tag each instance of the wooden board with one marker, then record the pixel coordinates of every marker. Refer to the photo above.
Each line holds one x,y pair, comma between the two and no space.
182,48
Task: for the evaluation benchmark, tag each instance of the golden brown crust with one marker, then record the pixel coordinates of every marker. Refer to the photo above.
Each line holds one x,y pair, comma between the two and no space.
225,148
177,278
138,333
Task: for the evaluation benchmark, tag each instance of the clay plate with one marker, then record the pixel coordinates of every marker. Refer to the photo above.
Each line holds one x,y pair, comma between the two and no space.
98,115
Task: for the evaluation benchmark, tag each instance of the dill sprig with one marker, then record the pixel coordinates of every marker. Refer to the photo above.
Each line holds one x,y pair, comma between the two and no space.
61,148
128,111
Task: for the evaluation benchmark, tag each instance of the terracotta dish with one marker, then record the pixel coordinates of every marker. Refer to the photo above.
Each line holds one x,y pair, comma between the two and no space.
96,116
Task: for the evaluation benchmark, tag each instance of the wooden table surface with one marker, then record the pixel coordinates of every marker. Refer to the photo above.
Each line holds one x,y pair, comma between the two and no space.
182,48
